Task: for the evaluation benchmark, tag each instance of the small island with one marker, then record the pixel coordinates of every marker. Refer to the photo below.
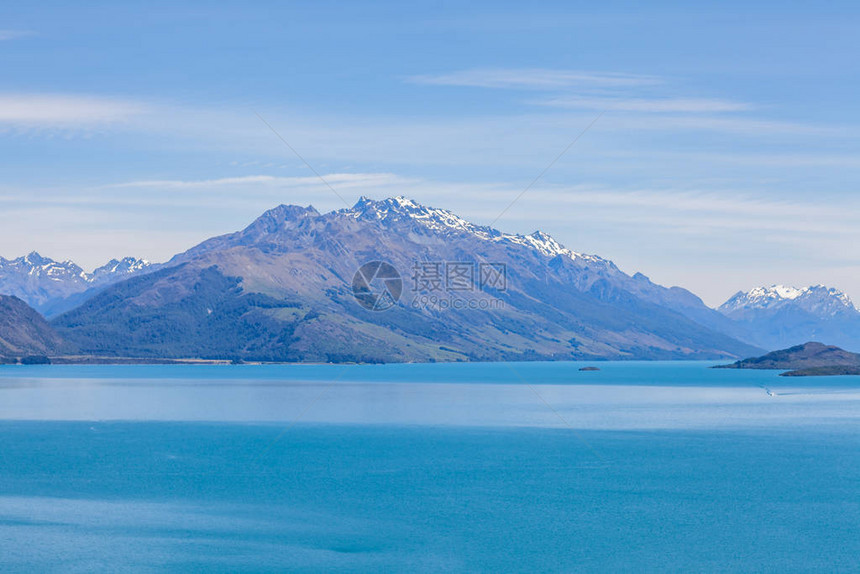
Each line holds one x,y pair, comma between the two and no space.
808,360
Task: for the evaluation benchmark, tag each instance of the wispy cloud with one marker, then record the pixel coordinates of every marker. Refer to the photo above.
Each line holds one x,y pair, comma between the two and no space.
699,211
534,79
736,125
745,210
343,180
689,105
611,91
14,34
61,110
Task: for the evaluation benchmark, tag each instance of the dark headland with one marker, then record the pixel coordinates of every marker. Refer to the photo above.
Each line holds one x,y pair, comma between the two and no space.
807,360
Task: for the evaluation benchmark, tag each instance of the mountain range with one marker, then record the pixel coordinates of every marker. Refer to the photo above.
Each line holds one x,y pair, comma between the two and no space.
779,316
52,287
295,285
283,290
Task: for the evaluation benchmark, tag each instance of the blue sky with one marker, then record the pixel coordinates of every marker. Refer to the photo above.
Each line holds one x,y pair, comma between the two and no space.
726,156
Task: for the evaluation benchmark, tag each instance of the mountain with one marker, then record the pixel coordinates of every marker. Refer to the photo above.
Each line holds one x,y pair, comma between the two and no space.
118,270
804,360
298,285
52,287
781,316
24,332
818,300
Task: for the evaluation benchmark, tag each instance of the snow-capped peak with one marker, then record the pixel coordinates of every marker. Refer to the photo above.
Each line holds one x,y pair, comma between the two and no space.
777,292
33,258
401,207
124,266
403,201
444,221
547,245
817,299
42,282
35,265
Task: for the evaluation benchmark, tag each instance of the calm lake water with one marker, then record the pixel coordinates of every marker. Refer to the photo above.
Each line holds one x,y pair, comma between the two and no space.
532,467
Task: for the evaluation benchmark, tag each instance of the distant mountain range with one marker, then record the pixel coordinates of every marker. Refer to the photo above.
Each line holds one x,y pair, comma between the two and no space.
779,316
292,287
52,287
819,301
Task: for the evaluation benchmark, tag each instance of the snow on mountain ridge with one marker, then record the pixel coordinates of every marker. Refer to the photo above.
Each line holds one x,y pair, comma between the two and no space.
34,264
818,299
48,285
124,266
441,220
776,292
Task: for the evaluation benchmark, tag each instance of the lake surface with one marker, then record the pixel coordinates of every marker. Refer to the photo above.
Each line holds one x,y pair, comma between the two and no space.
531,467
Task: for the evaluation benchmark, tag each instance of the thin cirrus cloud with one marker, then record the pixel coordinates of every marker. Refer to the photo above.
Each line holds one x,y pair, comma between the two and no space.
535,79
65,110
683,105
749,208
343,180
610,91
481,199
14,34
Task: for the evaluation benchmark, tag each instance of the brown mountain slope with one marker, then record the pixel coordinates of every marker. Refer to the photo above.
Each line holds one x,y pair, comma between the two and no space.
23,331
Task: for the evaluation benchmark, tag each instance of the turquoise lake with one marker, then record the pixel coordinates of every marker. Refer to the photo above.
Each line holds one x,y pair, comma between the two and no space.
503,467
